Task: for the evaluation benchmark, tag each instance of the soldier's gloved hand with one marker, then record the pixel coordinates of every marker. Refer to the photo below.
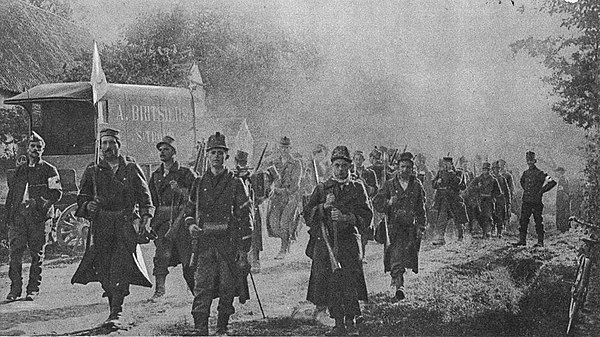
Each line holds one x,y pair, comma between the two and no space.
242,262
194,229
92,206
329,200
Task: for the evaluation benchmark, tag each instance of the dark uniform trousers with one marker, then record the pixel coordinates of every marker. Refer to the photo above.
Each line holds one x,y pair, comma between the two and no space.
214,275
527,209
26,232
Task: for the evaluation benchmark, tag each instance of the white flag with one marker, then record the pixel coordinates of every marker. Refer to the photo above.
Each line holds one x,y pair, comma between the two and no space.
195,78
98,79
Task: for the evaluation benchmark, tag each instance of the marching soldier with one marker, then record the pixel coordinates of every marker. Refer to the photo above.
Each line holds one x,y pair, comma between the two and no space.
114,195
169,186
402,198
502,209
32,193
448,203
337,212
284,198
486,190
563,201
218,217
375,158
469,199
322,163
535,183
510,181
369,180
252,183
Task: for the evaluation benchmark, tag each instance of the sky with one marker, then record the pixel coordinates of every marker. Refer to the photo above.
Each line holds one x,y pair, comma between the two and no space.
437,76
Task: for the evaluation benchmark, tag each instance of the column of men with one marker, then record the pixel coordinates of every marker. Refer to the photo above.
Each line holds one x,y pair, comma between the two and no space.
213,216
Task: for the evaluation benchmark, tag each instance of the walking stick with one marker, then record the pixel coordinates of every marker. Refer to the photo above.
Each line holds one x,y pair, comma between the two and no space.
257,297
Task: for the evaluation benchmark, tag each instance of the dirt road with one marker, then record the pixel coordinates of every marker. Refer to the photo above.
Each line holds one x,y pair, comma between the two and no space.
470,266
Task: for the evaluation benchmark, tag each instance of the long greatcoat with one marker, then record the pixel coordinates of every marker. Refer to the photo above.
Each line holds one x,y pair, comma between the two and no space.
350,198
405,218
112,255
222,198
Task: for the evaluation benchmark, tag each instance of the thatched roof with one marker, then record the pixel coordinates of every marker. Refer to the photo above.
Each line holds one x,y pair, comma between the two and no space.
35,44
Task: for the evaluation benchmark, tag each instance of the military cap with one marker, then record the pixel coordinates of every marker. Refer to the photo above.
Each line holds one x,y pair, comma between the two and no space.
35,137
463,159
530,155
420,157
110,132
405,156
358,153
168,140
341,152
560,169
496,164
447,159
216,141
485,166
241,157
285,141
375,153
320,148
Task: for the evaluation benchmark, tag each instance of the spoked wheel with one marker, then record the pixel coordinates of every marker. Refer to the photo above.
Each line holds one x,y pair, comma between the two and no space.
579,290
71,230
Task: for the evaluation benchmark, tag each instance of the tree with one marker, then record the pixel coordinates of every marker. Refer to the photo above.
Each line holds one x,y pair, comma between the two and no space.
58,7
244,59
574,61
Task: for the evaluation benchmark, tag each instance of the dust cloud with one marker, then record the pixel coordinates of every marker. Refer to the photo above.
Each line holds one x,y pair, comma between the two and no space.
436,76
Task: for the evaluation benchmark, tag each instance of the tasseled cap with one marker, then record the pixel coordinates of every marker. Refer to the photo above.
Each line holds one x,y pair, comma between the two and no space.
485,166
530,155
285,141
216,141
341,152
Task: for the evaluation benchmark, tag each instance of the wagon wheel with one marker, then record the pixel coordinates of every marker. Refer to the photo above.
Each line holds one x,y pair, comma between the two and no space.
71,230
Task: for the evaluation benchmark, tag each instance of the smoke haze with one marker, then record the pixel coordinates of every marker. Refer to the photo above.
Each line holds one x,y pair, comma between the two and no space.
437,76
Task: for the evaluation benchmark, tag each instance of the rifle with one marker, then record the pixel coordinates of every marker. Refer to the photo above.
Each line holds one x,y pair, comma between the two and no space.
385,218
175,223
335,265
262,155
200,168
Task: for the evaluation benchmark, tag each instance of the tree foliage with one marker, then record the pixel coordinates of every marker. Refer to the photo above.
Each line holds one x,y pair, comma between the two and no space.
573,59
58,7
241,58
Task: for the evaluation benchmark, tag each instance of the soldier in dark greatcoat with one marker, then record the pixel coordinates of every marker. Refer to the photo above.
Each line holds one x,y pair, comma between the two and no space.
486,190
169,186
218,217
502,209
369,180
402,199
563,201
448,203
114,195
32,193
337,211
535,183
510,181
251,183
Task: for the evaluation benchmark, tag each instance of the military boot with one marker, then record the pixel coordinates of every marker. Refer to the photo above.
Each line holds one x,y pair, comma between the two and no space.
522,240
201,323
159,291
222,322
540,242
